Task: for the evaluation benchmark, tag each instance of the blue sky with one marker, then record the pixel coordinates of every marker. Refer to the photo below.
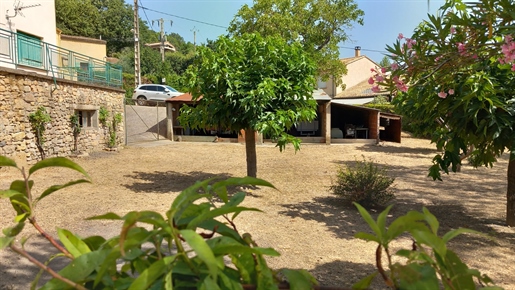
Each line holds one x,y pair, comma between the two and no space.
384,20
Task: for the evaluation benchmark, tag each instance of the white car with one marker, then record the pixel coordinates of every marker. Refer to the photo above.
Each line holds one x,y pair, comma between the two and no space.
144,93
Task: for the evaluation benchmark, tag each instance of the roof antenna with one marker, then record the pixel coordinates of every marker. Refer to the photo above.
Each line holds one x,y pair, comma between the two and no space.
18,7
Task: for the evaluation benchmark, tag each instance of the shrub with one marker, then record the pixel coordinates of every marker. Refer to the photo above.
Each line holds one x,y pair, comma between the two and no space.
365,183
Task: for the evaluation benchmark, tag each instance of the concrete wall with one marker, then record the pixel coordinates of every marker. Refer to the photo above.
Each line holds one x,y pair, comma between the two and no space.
357,71
21,93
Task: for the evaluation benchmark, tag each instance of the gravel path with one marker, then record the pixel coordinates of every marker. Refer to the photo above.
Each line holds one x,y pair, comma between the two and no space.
302,220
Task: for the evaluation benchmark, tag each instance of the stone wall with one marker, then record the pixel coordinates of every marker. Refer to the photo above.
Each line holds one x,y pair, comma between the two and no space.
22,93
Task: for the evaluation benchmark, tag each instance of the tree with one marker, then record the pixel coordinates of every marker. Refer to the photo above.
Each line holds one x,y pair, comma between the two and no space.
385,62
111,20
319,25
254,84
457,74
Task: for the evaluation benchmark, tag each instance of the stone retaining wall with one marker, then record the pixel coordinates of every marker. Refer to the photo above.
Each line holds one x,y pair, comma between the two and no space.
22,93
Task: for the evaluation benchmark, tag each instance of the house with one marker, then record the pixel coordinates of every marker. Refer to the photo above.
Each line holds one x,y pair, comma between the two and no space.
36,72
340,118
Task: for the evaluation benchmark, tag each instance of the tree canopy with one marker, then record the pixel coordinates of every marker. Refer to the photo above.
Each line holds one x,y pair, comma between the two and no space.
251,83
319,25
111,20
456,73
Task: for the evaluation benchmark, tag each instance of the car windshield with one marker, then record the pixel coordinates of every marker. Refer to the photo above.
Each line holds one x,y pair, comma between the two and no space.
171,89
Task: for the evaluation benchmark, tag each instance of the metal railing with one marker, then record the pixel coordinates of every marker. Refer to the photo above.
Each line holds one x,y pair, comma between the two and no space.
20,50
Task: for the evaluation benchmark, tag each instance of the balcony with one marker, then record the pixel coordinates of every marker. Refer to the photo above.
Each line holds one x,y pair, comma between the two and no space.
25,51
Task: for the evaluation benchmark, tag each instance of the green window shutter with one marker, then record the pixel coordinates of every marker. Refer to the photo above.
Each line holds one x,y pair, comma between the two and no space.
30,50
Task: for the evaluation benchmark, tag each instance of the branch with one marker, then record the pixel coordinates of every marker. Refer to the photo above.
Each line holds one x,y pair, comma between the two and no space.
46,268
50,239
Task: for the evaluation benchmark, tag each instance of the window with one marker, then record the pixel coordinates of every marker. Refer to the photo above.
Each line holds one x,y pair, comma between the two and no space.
87,118
5,48
30,50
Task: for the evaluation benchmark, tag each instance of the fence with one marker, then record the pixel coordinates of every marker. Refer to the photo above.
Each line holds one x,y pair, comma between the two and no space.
26,50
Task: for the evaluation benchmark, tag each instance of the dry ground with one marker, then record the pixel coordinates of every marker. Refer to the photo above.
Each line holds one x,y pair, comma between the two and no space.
302,220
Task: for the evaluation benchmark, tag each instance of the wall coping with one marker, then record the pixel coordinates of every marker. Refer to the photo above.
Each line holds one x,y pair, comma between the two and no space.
58,80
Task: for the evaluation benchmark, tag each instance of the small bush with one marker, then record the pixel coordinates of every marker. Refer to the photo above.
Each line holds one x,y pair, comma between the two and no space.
365,183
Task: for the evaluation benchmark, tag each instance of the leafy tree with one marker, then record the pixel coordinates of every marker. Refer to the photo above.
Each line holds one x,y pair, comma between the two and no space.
254,84
110,19
456,73
385,62
319,25
77,17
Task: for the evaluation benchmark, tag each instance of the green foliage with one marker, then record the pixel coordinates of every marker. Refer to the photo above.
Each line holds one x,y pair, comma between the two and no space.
195,245
463,68
103,115
385,62
388,108
365,183
319,26
266,85
251,83
38,121
428,263
112,127
111,20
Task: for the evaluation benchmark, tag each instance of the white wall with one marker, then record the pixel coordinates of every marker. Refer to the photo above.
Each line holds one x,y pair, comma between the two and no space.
38,21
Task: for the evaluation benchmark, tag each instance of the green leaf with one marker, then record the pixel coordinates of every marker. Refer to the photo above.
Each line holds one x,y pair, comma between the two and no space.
431,220
54,188
78,270
152,273
57,162
4,161
454,233
459,272
6,241
9,193
299,279
366,216
14,231
72,243
217,212
381,221
416,276
204,252
431,240
107,216
365,282
209,283
367,237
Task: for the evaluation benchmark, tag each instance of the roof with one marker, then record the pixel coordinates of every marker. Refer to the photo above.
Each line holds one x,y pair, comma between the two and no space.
167,45
82,39
363,89
184,98
320,95
349,60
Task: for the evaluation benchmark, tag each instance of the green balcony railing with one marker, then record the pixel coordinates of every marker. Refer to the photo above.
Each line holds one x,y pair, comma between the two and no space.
25,50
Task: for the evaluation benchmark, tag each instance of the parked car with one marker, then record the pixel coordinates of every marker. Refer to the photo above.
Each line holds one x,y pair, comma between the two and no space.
144,93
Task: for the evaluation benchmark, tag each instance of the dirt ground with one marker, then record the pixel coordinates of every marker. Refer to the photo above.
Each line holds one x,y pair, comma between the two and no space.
309,226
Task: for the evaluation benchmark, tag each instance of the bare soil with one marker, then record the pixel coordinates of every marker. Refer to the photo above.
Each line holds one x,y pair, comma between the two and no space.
309,226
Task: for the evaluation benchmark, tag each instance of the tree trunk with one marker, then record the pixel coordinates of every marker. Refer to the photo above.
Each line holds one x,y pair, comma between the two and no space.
250,150
510,195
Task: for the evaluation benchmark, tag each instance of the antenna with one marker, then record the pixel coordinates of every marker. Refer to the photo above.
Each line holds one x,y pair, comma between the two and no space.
18,7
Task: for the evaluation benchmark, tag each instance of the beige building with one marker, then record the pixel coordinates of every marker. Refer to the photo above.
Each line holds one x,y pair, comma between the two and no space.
92,47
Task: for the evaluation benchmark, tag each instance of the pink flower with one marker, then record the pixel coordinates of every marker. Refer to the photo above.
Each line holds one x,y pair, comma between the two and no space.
461,48
402,87
451,92
371,80
383,70
394,66
373,69
375,89
513,67
442,94
410,42
401,36
453,30
379,78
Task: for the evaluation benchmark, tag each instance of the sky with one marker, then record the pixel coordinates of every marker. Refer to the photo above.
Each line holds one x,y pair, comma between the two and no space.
383,20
